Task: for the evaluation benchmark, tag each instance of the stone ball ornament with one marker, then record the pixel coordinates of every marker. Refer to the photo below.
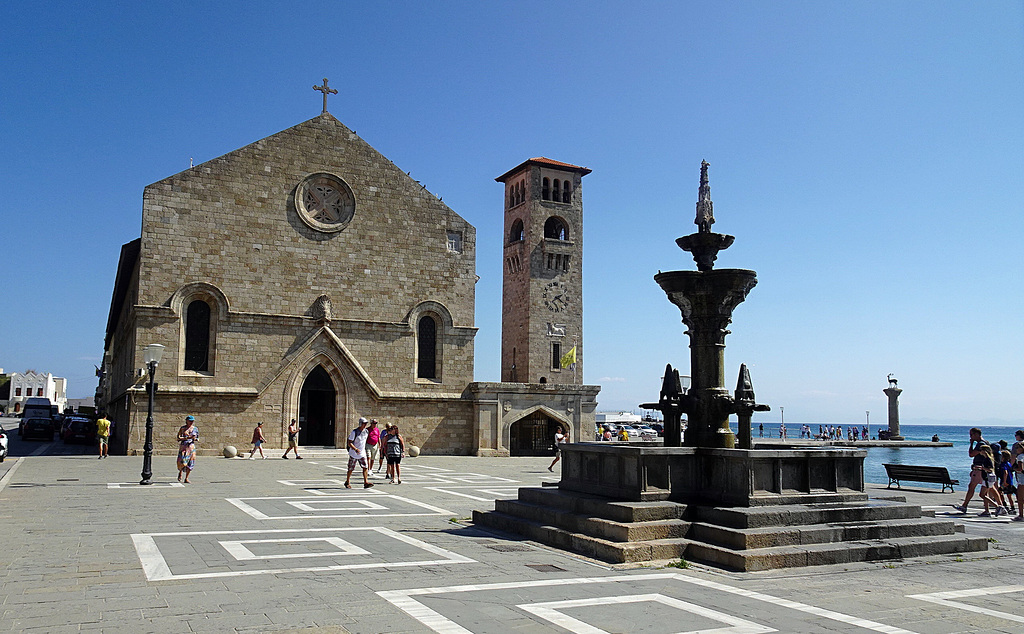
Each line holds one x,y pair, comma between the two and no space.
413,451
230,452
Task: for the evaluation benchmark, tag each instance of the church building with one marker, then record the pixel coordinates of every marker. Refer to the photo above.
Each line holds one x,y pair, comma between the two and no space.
306,276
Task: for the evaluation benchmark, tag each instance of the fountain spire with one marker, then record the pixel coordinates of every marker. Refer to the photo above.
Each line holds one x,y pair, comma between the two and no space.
705,208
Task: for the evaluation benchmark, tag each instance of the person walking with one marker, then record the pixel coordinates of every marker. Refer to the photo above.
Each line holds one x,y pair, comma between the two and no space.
293,440
257,442
989,485
380,453
394,448
760,430
188,435
974,452
372,445
103,435
560,439
357,454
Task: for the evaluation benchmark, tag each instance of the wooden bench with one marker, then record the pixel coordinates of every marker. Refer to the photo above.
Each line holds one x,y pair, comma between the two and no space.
937,475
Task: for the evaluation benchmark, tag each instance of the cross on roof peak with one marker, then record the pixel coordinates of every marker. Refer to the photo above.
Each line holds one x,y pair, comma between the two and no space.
326,91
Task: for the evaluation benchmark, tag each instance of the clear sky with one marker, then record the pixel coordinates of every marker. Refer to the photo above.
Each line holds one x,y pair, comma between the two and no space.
866,155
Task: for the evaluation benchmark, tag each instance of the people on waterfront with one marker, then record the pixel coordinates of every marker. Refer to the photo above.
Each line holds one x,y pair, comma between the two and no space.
103,435
293,440
257,442
395,449
864,433
607,434
559,439
188,435
1006,483
989,485
760,430
372,444
623,434
357,454
974,452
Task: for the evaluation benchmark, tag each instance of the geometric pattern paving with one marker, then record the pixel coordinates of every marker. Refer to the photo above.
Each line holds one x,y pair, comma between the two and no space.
983,598
358,504
209,554
593,605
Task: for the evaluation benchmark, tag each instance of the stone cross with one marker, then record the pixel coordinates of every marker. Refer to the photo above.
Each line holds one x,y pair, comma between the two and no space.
326,91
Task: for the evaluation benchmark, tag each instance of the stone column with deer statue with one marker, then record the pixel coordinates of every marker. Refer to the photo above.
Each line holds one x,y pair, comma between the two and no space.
893,392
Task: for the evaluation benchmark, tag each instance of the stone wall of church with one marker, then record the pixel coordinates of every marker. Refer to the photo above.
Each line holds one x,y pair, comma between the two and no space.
232,223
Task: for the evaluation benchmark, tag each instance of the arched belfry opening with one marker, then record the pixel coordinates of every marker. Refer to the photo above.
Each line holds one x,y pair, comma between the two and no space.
317,414
533,435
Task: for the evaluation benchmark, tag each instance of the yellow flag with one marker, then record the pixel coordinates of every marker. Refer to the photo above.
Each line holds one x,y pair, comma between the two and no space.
569,358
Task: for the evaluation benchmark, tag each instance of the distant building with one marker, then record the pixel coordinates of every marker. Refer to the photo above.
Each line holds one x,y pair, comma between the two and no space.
32,384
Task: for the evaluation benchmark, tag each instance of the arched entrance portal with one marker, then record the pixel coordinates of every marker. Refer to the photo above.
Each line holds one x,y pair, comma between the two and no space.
533,435
316,409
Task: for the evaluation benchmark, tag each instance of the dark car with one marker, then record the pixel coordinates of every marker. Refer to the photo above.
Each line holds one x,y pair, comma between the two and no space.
39,428
658,427
78,429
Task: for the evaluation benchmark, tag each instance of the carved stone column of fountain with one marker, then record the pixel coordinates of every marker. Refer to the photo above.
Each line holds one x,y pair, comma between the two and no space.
706,298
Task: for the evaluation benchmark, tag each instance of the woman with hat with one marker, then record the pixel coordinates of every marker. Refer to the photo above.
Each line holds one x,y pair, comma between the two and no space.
188,434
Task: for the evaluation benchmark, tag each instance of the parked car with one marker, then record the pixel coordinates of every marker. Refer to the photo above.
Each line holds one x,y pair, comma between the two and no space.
647,433
38,427
658,427
78,429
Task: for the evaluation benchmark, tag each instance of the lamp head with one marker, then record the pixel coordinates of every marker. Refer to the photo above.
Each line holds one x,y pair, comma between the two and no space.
152,354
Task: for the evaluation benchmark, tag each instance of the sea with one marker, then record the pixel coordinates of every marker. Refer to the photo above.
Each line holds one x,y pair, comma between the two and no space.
954,458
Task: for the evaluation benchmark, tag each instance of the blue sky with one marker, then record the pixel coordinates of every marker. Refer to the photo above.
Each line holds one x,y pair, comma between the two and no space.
867,157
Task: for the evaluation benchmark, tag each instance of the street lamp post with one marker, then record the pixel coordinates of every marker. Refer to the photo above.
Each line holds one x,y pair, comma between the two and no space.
151,357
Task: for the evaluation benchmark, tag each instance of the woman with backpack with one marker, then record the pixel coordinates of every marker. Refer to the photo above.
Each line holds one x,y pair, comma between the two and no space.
394,449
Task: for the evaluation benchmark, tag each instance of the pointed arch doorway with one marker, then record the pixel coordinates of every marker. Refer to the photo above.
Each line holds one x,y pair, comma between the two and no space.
317,409
533,435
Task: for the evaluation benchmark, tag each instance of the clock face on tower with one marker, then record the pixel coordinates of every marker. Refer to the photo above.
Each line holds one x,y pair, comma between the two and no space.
556,297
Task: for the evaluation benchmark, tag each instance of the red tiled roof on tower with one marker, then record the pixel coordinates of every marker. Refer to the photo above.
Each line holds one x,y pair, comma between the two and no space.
541,160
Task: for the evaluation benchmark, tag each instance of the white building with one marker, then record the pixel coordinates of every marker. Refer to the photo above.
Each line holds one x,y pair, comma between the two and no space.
31,384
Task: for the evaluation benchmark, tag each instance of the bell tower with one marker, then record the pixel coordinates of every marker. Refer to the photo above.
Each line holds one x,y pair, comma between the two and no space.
542,291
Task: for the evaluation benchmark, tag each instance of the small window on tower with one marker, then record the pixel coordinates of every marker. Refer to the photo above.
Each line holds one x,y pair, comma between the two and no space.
556,356
455,242
555,229
545,190
555,192
566,192
516,235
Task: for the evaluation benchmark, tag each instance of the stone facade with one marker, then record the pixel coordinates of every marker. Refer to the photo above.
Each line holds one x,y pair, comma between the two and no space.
306,276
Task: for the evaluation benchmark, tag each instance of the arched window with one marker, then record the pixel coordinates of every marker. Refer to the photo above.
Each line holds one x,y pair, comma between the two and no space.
545,189
426,338
555,195
555,229
566,192
197,336
520,194
516,235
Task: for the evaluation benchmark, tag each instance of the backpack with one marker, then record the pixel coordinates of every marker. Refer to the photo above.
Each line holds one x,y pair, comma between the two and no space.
394,447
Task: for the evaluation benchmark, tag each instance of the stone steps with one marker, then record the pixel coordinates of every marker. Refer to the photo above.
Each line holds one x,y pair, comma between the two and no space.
736,538
832,553
606,550
594,526
774,536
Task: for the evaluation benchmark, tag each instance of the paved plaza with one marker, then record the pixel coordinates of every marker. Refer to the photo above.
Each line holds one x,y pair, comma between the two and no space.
281,545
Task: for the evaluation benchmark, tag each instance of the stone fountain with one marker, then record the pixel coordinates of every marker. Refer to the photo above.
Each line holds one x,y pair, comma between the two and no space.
698,496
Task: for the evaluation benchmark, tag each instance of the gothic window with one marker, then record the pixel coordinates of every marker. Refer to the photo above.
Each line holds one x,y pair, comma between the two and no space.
555,229
516,235
566,192
555,195
426,339
545,190
197,336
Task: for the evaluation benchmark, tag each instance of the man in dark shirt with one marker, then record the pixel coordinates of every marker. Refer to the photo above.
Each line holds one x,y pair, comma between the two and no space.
974,451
